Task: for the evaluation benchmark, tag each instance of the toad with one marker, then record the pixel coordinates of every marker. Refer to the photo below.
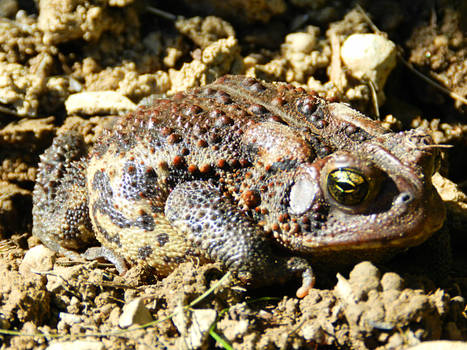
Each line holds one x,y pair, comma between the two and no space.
263,177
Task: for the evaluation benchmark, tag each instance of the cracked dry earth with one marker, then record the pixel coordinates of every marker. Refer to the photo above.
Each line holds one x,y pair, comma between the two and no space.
79,65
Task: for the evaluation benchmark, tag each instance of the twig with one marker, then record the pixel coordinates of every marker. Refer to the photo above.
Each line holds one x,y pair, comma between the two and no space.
161,13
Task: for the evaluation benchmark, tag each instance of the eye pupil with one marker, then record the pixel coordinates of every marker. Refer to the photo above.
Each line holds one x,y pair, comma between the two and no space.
347,186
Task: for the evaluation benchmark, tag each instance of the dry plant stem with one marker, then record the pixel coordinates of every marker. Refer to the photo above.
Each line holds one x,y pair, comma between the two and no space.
336,74
160,13
450,93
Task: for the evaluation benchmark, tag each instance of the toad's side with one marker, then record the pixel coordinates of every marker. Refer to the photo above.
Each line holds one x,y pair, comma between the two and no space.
252,174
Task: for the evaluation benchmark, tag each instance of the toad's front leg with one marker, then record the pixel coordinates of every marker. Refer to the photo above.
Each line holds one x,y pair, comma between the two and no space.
215,226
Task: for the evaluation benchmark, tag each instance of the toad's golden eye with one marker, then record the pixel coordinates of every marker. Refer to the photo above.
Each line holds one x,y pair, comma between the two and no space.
348,186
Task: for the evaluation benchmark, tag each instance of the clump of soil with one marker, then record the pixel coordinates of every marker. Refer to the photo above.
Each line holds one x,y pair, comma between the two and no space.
79,64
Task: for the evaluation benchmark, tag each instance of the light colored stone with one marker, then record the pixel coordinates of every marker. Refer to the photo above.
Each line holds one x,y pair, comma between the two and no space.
134,313
61,275
369,56
194,326
98,103
70,319
38,258
300,42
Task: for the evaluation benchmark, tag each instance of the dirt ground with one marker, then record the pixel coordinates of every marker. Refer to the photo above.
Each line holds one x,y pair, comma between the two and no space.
126,50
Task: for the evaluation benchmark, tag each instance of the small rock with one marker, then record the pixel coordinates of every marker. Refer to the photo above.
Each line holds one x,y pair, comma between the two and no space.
313,331
392,281
453,197
134,313
300,42
369,56
39,258
76,345
237,330
363,278
60,277
98,103
70,319
196,333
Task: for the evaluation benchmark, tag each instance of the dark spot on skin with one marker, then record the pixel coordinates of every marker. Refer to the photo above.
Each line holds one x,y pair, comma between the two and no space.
286,164
101,183
108,237
163,165
76,217
139,181
106,206
105,203
178,259
145,221
162,239
357,134
318,118
144,252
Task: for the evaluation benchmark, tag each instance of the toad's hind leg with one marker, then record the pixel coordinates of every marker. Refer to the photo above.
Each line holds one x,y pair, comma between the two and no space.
60,213
217,228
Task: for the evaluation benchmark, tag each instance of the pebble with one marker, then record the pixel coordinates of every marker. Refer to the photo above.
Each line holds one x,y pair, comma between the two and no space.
70,319
364,278
38,258
194,330
98,103
134,313
392,281
369,56
300,42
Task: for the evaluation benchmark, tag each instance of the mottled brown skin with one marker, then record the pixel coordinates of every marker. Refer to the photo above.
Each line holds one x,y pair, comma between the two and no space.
253,174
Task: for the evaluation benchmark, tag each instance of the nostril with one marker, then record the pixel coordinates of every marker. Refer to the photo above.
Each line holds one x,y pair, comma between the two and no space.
404,198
